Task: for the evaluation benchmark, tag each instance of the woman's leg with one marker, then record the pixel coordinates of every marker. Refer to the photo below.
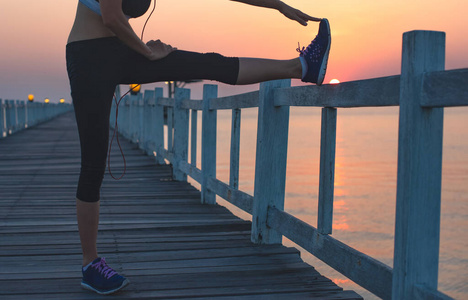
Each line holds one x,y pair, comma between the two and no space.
254,70
185,65
87,214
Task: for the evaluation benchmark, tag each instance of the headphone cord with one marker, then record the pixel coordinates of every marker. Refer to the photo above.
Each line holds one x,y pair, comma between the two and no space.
116,126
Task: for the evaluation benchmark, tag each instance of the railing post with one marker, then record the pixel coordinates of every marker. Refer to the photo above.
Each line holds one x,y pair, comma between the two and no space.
235,149
158,117
17,105
181,133
126,103
26,114
209,120
140,124
135,118
417,225
327,170
270,165
9,116
2,120
170,128
193,138
148,123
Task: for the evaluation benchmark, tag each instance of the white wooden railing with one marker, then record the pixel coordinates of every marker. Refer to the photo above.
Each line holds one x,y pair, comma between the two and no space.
422,90
16,115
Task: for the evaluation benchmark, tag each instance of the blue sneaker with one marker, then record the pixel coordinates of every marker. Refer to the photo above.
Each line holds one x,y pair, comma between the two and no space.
102,279
315,56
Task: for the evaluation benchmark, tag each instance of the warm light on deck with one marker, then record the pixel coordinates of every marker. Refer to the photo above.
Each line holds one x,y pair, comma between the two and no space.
30,97
47,100
135,88
62,100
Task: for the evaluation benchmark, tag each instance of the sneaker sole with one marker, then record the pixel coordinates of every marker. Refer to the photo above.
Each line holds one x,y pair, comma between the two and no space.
323,67
90,288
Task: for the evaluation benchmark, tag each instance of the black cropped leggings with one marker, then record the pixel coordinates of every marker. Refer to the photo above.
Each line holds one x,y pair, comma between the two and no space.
95,68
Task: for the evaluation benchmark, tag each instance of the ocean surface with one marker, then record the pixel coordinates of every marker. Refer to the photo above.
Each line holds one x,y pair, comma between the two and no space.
365,184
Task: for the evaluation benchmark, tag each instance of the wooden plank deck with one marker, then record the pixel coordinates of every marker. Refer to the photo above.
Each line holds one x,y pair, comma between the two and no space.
153,230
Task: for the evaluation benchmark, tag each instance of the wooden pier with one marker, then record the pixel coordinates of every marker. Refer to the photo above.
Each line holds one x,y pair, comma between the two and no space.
153,230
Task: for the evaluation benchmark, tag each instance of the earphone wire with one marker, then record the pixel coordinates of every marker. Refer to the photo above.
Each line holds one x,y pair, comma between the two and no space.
117,103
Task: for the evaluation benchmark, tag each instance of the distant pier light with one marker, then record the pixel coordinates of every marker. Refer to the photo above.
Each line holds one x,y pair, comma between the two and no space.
30,97
62,100
135,89
47,100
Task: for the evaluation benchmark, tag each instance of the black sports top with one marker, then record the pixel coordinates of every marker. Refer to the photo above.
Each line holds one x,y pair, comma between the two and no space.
131,8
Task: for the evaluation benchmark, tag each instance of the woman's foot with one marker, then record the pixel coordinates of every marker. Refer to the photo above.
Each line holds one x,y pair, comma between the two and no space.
102,279
314,58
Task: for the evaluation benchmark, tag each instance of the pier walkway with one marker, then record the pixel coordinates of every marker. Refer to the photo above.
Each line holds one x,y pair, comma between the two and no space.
153,230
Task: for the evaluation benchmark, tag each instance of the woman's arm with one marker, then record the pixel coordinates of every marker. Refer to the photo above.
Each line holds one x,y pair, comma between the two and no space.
114,19
288,11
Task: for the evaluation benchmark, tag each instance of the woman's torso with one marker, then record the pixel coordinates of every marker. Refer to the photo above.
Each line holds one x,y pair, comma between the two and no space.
89,25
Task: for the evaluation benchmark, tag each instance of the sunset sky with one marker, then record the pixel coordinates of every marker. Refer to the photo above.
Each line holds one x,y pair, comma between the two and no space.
366,37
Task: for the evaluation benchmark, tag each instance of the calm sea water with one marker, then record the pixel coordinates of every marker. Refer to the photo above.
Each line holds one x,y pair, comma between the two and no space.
365,184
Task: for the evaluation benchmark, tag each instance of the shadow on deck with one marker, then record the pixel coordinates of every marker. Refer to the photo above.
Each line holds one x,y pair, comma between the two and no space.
152,230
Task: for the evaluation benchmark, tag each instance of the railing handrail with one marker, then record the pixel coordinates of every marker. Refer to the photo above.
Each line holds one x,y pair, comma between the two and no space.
16,115
419,90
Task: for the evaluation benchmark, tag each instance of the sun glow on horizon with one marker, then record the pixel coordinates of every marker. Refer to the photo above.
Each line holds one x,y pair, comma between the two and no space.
334,81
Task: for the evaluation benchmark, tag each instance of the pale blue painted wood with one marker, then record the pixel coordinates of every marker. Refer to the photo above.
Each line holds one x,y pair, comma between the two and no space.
169,156
270,164
170,128
131,113
361,93
191,171
235,149
417,225
158,117
17,126
140,124
125,112
245,100
11,120
423,293
136,117
3,133
364,270
192,104
327,171
445,88
238,198
169,102
181,133
20,114
26,115
128,116
193,138
209,119
30,114
148,122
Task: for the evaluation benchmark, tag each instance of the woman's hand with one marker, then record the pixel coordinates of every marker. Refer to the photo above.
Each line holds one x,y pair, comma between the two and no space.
159,50
296,15
288,11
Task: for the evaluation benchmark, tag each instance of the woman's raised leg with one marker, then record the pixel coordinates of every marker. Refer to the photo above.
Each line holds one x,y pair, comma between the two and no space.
254,70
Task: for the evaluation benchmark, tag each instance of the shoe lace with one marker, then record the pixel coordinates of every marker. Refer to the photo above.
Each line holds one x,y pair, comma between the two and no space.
104,269
313,50
303,50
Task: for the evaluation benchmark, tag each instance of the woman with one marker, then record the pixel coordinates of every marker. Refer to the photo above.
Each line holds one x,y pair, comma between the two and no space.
104,51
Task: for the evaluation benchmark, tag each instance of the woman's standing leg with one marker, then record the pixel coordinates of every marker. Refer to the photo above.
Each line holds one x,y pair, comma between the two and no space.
87,214
92,68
